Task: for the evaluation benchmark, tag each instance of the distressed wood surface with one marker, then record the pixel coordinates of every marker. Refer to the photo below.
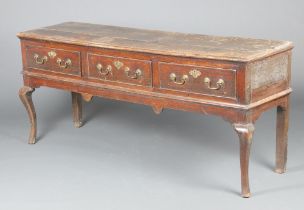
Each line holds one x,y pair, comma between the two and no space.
51,63
159,42
119,73
269,71
196,83
256,75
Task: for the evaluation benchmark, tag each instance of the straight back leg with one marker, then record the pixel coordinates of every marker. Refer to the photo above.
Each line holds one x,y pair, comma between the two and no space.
281,137
77,109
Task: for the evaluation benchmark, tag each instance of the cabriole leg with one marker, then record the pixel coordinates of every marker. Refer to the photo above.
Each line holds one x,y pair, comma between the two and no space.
245,132
25,94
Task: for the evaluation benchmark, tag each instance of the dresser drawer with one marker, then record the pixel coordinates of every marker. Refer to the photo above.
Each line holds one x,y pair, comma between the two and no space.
55,60
118,69
198,79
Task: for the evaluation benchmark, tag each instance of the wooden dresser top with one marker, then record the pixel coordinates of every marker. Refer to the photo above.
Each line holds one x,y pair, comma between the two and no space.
159,42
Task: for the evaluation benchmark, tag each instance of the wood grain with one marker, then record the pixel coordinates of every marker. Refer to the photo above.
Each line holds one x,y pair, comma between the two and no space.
243,64
159,42
51,63
120,74
197,85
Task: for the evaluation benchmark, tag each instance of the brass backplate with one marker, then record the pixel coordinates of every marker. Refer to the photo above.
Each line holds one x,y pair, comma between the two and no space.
118,64
52,54
195,73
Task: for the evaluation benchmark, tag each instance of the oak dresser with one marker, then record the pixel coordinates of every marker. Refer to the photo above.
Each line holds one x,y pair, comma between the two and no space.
235,78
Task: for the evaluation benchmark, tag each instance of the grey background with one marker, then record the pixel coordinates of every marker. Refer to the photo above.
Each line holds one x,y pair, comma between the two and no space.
126,157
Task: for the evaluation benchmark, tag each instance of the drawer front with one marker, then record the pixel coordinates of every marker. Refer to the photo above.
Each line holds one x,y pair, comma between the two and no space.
54,60
198,79
118,69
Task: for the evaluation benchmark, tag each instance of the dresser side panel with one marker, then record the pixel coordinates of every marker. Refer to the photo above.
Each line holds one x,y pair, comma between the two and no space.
268,76
247,85
23,53
26,80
